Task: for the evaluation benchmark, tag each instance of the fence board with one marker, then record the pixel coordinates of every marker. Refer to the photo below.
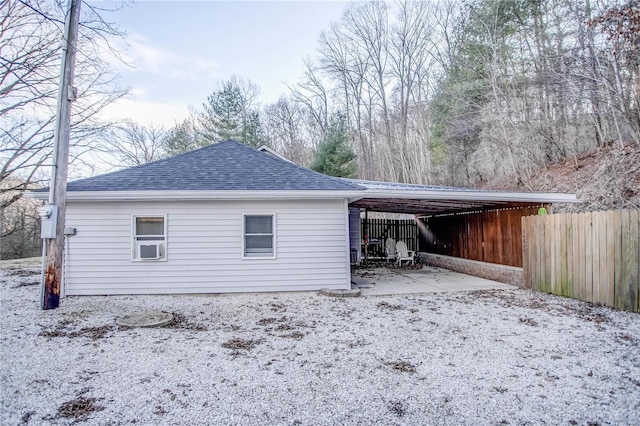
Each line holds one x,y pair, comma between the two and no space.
624,269
595,267
515,218
634,249
549,245
609,252
599,257
554,240
525,252
569,262
563,260
627,290
560,247
538,272
575,269
542,245
589,256
527,256
603,286
618,285
588,264
637,226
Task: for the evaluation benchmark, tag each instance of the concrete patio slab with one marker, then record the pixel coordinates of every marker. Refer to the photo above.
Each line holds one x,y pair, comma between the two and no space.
385,282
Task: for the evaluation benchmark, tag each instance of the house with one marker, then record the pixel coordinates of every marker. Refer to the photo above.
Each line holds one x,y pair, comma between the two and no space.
228,218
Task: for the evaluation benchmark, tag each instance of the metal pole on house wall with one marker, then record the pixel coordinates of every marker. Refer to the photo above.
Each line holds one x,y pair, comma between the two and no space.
54,243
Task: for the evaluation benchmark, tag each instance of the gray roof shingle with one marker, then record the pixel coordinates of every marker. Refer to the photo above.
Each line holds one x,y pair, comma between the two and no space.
227,165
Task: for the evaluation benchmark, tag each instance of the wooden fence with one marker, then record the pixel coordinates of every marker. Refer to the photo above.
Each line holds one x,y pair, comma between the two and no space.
379,230
489,236
588,256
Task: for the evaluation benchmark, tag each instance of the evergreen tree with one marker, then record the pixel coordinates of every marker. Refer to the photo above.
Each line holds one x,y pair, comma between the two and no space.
335,156
231,113
182,138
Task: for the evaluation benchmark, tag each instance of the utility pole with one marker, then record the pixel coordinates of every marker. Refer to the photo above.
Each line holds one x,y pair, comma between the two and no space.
53,245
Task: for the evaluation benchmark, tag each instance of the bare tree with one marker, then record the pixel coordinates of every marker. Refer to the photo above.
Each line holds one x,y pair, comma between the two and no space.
30,49
374,66
285,125
313,94
131,144
19,224
621,25
343,62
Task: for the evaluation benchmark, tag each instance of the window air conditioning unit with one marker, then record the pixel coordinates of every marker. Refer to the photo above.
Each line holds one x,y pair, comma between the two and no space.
149,251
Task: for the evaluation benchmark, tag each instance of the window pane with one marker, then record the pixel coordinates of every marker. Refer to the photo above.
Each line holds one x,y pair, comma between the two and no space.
258,224
258,244
149,226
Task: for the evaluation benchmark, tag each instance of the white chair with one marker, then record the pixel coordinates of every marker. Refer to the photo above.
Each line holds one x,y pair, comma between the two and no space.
403,254
390,248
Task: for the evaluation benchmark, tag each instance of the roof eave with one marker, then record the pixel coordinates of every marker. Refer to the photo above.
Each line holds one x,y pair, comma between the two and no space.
534,197
351,195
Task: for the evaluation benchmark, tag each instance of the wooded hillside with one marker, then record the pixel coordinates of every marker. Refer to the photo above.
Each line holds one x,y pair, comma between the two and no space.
604,178
461,92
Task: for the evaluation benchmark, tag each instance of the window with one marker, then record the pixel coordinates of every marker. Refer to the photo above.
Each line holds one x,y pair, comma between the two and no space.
259,236
149,237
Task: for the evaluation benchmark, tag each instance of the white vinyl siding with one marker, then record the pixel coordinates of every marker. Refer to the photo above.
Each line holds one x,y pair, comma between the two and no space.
205,245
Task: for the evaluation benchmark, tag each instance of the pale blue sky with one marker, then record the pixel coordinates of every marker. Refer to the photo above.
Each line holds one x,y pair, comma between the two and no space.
181,51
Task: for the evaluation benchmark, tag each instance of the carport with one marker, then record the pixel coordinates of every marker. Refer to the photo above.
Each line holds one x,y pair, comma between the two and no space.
473,231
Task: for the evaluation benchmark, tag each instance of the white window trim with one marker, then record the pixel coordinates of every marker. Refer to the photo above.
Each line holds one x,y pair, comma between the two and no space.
134,242
274,228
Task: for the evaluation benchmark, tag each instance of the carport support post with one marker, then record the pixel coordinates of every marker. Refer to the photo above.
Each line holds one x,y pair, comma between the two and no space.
54,247
366,236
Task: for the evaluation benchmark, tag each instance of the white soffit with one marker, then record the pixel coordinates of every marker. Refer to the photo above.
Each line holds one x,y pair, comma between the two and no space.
471,195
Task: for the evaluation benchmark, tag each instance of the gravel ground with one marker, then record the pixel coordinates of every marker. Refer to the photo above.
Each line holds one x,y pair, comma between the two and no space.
489,357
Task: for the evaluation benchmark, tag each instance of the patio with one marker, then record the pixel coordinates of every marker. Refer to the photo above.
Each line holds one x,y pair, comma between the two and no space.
383,281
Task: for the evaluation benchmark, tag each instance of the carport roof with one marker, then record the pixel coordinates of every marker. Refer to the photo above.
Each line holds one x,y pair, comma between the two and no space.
432,200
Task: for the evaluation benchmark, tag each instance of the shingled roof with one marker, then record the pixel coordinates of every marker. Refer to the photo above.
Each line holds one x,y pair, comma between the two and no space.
227,165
